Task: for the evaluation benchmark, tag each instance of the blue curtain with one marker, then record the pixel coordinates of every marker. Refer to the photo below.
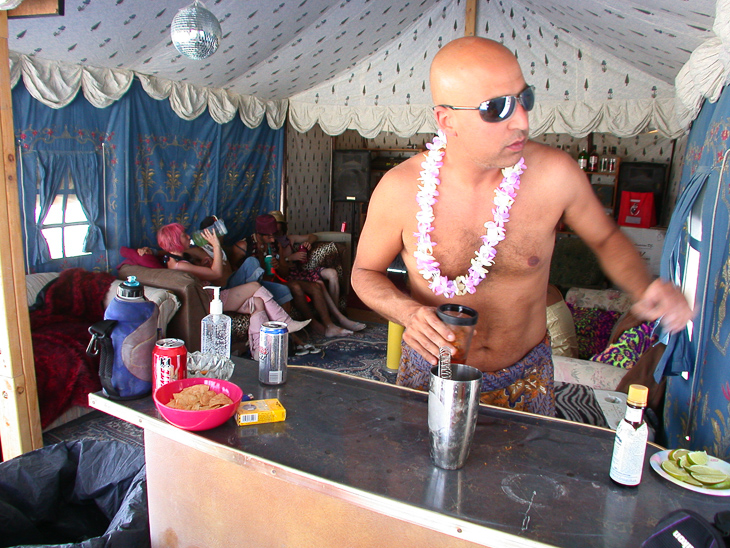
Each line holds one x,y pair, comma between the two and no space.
185,171
137,166
696,362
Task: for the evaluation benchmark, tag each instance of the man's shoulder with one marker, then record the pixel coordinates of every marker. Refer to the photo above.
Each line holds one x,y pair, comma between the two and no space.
549,162
402,178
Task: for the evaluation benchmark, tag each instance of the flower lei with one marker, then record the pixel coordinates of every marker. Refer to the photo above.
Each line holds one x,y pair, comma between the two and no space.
504,197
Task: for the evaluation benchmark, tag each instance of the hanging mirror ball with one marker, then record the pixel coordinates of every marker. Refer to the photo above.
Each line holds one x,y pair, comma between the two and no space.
195,31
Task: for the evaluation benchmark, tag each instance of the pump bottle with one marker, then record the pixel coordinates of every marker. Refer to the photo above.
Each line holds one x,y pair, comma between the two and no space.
632,433
215,328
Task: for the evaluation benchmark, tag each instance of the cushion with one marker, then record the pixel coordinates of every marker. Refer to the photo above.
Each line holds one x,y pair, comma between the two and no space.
605,299
629,347
593,329
562,330
597,375
34,283
133,258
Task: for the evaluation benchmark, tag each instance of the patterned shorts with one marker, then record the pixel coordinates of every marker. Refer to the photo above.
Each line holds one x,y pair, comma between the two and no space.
525,386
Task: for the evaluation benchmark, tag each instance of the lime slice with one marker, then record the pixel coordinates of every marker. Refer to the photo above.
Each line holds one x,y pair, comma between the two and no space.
722,485
697,457
695,482
709,480
675,471
682,461
704,470
671,468
674,454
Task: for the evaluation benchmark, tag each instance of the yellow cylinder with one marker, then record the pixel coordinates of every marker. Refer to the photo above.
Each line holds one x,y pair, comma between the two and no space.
395,335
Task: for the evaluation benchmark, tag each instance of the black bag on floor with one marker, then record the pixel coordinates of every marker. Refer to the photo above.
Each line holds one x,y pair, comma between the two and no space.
683,528
81,494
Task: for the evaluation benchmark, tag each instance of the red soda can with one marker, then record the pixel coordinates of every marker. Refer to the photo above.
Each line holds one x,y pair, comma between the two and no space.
343,228
169,362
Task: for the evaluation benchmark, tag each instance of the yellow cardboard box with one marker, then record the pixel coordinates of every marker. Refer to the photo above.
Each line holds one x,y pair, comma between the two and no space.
260,411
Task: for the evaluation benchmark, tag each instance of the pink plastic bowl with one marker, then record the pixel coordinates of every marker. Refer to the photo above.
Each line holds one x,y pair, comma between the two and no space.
197,420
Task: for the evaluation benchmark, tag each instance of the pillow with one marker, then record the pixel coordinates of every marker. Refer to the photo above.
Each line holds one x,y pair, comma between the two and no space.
132,257
35,284
628,348
593,329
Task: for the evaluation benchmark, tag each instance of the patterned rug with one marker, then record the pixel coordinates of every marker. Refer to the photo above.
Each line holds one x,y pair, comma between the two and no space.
361,354
96,426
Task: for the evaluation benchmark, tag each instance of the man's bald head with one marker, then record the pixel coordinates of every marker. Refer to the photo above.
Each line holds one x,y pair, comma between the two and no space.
463,64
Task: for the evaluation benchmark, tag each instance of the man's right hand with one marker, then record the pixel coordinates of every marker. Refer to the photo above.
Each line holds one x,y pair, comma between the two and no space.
425,333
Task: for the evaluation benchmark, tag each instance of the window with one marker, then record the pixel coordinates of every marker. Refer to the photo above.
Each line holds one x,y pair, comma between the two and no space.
65,227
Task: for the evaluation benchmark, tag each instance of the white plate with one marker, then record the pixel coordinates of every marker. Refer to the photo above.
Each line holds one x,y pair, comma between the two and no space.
656,463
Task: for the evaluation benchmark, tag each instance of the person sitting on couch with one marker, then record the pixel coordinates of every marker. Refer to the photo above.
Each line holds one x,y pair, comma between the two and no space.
296,249
248,271
250,298
259,245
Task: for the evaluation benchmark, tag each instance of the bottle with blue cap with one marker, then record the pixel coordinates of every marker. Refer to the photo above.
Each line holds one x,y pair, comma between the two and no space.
215,329
133,322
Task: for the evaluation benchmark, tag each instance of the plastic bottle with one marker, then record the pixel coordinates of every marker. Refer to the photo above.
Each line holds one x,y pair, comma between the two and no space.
133,338
218,227
583,159
215,328
269,259
632,433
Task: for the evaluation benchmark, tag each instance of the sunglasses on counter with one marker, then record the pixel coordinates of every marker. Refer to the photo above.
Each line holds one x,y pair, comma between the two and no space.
500,109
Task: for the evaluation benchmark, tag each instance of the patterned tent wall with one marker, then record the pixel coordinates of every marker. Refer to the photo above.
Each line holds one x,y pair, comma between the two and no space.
599,65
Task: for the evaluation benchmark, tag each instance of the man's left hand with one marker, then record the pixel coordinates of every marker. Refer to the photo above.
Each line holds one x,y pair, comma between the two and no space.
664,300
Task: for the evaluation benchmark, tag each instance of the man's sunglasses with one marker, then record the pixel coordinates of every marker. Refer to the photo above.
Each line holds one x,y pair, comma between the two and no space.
500,109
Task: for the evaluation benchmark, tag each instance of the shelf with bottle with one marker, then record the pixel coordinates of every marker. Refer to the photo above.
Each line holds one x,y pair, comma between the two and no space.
602,171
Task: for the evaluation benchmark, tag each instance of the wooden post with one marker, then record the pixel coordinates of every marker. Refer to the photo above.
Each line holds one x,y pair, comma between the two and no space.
20,425
470,19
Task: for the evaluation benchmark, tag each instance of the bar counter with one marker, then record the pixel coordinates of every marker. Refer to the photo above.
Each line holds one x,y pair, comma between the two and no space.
350,466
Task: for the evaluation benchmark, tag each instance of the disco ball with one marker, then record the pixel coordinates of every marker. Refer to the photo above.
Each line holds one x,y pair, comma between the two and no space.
195,31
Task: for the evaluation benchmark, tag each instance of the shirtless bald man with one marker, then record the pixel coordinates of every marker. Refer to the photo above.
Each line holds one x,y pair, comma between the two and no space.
482,113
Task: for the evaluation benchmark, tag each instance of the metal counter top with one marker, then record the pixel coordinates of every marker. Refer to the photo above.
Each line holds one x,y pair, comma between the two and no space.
529,480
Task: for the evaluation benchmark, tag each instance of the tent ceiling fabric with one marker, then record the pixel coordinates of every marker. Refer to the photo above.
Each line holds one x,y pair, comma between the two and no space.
598,65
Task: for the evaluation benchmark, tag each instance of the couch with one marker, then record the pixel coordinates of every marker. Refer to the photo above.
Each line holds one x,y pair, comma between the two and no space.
615,349
62,307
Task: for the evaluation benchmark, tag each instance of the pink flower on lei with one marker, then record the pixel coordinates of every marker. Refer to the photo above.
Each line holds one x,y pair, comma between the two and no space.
504,197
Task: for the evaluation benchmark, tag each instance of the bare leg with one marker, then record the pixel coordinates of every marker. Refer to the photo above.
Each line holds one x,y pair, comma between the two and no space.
300,303
238,295
317,293
333,283
343,320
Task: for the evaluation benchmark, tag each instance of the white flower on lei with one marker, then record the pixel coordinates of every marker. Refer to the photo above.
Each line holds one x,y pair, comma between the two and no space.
504,196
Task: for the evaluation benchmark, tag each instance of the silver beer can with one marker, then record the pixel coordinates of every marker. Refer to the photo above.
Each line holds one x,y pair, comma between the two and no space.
273,352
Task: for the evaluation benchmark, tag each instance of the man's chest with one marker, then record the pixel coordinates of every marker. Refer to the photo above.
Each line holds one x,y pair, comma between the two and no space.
459,237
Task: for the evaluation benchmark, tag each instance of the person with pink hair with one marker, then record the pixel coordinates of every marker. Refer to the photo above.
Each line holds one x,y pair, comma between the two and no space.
250,298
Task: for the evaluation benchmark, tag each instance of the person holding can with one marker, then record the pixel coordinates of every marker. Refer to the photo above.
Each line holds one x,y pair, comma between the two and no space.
250,298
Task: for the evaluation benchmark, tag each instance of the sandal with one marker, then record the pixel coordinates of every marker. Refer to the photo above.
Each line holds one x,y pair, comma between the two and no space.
301,350
312,349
